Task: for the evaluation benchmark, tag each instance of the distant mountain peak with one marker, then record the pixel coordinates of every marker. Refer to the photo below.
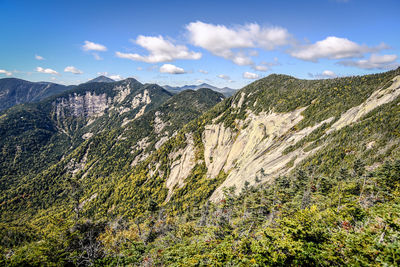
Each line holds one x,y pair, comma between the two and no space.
101,79
226,91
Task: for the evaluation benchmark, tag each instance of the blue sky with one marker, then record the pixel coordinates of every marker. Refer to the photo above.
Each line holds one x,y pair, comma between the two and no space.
224,43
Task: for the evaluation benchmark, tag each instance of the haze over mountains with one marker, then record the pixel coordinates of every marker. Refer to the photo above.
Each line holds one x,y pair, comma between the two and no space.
15,91
225,91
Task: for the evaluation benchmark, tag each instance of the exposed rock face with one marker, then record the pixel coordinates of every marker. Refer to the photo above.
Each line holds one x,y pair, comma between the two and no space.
159,124
141,99
183,162
141,145
257,150
88,105
377,99
123,92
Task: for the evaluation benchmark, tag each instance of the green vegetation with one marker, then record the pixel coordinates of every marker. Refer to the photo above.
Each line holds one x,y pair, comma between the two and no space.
16,91
105,202
350,218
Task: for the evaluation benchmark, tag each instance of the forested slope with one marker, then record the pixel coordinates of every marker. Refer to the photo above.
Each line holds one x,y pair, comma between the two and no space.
285,172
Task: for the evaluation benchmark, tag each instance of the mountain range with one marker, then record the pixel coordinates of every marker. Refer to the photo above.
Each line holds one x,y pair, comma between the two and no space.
225,90
16,91
284,172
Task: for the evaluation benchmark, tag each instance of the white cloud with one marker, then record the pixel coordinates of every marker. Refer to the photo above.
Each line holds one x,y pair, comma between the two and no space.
39,57
333,48
373,62
115,77
221,40
8,73
90,46
47,71
326,74
203,71
73,70
172,69
260,68
97,56
160,50
265,66
139,68
223,76
249,75
329,73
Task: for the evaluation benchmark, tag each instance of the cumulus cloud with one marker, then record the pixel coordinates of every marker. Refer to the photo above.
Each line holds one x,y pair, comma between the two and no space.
329,73
249,75
172,69
8,73
326,74
115,77
73,70
260,68
373,62
47,71
90,46
160,50
39,57
221,40
203,71
224,77
333,48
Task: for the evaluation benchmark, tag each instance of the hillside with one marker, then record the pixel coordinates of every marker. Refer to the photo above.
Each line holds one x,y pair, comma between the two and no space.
310,160
36,135
16,91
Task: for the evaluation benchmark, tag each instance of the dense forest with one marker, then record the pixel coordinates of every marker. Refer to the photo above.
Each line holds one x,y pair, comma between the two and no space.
110,199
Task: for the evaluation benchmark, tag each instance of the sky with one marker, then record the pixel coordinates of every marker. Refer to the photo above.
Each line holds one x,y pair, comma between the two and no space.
223,43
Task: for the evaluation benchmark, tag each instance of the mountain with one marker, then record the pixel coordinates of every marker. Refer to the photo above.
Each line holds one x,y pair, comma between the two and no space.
285,172
36,135
116,152
225,91
101,79
16,91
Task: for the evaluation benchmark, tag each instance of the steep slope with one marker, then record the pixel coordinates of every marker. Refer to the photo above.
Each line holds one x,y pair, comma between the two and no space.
16,91
114,153
33,136
267,129
282,162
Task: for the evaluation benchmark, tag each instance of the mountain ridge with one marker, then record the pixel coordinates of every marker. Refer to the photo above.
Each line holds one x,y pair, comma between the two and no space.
277,156
15,91
225,90
101,79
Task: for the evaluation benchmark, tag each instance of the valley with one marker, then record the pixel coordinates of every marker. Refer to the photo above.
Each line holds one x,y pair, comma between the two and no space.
140,176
